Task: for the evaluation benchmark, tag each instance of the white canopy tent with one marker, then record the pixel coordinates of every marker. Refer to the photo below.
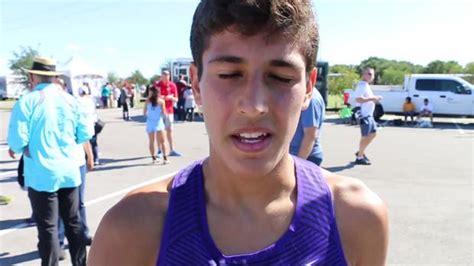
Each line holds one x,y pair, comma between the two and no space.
76,71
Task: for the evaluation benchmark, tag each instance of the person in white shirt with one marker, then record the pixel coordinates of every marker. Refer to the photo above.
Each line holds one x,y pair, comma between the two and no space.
368,127
189,104
116,93
426,110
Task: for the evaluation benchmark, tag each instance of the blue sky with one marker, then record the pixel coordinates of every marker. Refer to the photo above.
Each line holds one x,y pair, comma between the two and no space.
122,36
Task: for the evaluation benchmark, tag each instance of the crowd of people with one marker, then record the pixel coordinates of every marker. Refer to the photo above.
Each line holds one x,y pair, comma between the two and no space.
164,102
260,196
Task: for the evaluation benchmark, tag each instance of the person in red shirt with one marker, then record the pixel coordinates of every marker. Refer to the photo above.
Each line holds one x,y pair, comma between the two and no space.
169,92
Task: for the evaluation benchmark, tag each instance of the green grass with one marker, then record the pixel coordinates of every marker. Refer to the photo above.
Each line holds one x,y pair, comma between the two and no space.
335,102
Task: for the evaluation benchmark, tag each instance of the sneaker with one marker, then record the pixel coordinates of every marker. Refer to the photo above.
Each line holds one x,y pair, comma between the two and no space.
159,154
166,161
153,159
175,153
362,161
365,157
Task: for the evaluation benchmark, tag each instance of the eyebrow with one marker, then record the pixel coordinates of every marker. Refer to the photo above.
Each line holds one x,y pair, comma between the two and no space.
284,63
238,60
226,59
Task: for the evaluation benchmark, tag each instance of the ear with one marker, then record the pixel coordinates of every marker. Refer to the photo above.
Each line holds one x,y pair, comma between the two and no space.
193,71
310,87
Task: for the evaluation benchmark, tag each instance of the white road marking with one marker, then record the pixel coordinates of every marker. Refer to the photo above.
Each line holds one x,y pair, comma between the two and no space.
12,229
6,173
125,190
17,227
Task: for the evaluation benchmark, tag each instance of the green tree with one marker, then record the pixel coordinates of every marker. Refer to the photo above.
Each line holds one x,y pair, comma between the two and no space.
137,78
23,59
341,77
154,78
440,67
469,69
113,78
396,69
392,75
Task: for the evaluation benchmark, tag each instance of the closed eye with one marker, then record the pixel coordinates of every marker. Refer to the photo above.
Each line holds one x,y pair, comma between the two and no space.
280,79
229,76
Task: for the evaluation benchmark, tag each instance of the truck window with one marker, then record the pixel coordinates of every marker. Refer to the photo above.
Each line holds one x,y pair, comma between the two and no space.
452,86
428,85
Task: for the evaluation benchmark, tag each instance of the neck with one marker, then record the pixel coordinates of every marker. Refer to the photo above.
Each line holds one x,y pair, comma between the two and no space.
228,189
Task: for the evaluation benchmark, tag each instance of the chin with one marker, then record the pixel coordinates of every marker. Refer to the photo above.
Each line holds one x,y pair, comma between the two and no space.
253,167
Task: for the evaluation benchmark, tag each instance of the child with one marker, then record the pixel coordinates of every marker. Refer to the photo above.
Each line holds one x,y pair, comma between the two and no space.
408,109
249,202
426,110
153,110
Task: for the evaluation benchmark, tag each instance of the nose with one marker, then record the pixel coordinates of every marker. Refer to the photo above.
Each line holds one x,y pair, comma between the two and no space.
253,100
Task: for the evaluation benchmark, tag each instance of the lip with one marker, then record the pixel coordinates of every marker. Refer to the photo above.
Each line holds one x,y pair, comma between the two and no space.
255,147
252,130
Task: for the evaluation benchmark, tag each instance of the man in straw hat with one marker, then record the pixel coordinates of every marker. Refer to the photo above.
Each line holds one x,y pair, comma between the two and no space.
46,127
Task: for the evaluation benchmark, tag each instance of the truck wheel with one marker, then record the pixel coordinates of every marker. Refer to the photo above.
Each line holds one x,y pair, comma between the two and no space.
378,112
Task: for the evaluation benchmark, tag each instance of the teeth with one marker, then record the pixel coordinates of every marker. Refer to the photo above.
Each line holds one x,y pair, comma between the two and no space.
251,141
253,135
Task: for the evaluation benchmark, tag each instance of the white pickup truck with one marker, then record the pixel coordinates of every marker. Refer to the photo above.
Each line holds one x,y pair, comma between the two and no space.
450,95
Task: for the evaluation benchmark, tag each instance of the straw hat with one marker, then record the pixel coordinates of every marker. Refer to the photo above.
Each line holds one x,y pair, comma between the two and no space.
43,66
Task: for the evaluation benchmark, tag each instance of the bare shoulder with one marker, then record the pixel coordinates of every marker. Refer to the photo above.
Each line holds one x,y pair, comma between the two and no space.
362,220
130,232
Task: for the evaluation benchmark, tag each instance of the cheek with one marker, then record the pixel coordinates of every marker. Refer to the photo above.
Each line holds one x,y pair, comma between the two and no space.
216,94
290,100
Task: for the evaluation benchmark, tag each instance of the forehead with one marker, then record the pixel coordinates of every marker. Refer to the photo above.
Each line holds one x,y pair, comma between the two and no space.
257,48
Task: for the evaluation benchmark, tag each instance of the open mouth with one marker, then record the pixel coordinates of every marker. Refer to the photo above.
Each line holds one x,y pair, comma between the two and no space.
252,142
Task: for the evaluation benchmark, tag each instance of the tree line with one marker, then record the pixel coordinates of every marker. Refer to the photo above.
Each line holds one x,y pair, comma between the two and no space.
341,76
23,59
391,72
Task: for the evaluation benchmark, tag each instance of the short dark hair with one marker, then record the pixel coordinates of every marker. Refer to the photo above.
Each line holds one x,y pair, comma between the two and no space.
292,19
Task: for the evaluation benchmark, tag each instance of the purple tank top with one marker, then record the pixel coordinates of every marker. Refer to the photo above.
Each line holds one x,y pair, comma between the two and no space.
311,239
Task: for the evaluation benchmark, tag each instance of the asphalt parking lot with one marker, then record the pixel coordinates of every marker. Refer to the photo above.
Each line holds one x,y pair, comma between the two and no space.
425,175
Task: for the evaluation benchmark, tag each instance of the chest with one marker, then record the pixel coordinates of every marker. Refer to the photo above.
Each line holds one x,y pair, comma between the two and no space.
241,233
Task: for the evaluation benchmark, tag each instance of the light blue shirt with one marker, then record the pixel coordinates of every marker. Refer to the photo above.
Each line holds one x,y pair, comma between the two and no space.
50,123
313,116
